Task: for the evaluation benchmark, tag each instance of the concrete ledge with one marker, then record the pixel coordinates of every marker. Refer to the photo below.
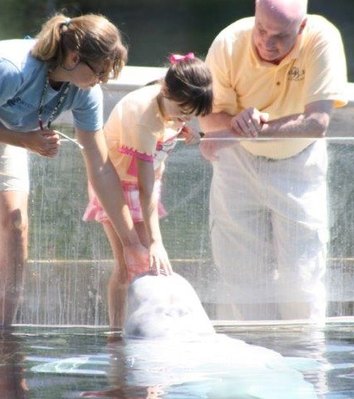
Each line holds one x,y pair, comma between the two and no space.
73,292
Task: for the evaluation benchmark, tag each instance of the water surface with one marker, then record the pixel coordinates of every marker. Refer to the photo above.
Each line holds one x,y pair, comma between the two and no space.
85,362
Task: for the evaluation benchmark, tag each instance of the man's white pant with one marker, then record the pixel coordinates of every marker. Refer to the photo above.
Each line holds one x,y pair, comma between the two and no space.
268,222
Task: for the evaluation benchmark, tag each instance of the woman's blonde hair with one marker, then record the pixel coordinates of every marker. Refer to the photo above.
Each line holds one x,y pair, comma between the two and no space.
92,36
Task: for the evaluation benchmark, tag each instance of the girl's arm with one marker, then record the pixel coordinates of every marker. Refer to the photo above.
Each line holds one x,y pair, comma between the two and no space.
149,205
107,186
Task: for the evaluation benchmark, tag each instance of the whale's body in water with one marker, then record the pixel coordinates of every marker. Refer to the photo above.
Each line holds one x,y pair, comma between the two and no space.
170,343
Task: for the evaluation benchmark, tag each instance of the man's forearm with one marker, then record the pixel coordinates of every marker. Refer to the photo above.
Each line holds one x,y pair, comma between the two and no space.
295,126
215,122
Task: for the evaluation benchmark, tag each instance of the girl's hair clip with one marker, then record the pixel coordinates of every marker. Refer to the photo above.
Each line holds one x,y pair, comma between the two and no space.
66,23
175,58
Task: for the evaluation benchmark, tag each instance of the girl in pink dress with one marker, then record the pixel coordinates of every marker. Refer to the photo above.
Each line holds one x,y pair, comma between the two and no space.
141,131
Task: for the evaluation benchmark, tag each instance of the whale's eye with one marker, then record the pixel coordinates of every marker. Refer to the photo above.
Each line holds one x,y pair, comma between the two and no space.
176,312
182,312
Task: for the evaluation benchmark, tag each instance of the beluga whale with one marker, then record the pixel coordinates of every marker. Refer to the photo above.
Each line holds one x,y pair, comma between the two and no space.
171,350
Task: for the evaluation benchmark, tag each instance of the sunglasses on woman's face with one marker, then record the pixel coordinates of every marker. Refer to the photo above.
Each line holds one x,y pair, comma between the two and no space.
99,75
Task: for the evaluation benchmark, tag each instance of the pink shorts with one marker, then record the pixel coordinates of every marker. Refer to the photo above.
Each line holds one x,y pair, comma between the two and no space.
95,211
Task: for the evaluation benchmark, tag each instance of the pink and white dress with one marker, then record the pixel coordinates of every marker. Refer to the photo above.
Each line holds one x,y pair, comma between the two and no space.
136,130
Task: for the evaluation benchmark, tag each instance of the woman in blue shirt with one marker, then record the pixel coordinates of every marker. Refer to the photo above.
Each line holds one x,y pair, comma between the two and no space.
39,79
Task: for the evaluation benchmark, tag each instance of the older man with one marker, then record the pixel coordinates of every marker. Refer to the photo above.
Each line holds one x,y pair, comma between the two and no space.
277,77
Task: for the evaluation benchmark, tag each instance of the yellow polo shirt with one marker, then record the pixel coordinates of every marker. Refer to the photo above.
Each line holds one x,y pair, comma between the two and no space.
314,70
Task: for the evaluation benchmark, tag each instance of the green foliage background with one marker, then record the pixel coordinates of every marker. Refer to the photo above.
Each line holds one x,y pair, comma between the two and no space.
154,28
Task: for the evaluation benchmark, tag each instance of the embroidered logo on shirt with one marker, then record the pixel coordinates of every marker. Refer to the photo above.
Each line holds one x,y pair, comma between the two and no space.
296,74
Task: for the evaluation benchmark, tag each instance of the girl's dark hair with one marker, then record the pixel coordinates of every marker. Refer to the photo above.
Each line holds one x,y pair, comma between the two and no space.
94,37
189,83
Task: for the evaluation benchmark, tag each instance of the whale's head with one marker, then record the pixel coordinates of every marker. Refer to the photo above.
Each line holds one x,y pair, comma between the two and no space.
165,307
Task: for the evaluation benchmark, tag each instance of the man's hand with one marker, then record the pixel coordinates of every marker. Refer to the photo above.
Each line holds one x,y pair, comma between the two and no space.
248,123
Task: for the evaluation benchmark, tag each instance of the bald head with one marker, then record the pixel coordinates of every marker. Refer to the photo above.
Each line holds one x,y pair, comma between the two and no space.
291,10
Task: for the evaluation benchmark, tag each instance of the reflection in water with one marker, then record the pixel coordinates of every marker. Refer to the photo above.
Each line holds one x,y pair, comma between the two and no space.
12,382
72,363
219,367
126,393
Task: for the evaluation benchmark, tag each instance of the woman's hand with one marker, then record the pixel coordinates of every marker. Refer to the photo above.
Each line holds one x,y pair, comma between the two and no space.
43,142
